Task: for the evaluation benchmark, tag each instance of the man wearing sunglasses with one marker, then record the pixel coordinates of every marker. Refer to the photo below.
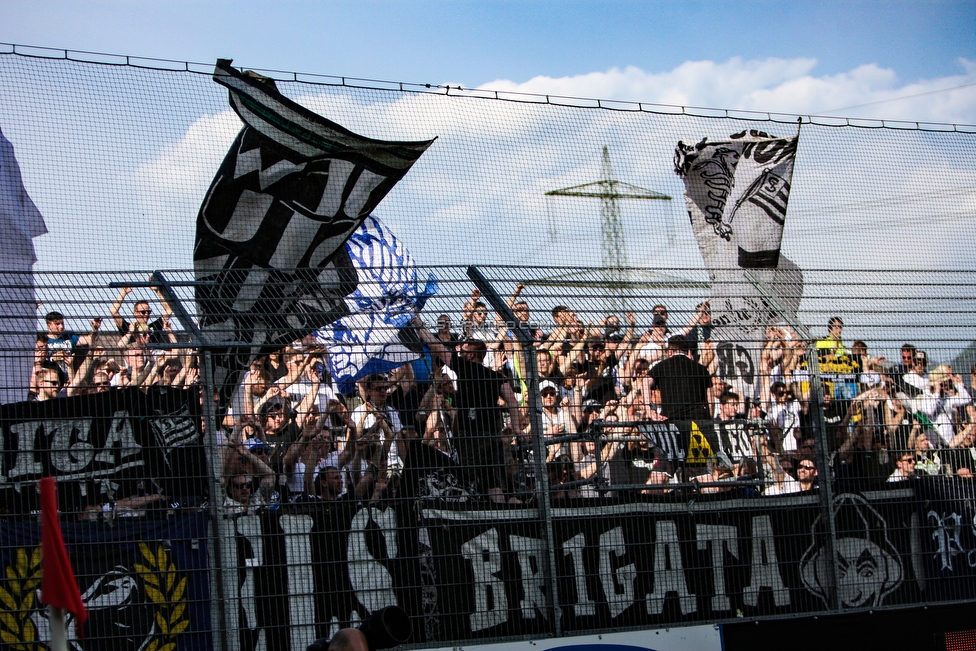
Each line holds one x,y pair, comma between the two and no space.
141,313
806,474
557,417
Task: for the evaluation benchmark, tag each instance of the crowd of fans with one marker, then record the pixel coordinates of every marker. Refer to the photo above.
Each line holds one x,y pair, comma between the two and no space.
455,424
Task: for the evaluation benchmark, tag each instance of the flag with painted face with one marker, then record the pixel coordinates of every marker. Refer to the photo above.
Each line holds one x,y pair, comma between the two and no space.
269,255
373,337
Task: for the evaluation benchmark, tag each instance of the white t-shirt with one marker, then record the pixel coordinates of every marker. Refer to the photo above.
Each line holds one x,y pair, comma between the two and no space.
364,421
786,418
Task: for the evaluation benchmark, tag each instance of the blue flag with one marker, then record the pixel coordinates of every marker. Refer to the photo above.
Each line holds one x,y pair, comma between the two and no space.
372,337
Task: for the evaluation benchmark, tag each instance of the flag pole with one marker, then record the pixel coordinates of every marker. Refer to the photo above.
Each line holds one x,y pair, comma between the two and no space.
59,631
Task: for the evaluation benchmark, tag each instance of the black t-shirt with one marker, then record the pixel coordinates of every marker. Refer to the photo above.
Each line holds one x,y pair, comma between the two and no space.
280,442
603,388
698,336
476,398
684,385
430,474
959,458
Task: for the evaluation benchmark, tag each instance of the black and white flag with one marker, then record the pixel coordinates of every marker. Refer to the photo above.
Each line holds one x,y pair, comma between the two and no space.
737,190
270,231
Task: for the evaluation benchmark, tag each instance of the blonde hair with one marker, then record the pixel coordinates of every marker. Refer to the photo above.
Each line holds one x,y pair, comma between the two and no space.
938,375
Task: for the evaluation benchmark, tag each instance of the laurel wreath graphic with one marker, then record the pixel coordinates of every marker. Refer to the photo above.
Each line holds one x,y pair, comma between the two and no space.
17,596
168,592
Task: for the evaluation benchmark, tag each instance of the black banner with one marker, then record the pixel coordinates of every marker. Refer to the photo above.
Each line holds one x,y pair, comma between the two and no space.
947,537
654,564
304,571
102,448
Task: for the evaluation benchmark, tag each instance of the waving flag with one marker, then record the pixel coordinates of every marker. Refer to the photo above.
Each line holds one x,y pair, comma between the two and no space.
270,232
372,337
59,588
737,190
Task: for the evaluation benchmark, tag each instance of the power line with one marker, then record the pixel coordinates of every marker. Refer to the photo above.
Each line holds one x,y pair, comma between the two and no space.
897,99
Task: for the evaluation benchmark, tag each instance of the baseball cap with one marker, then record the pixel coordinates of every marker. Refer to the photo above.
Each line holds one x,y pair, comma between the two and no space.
256,445
592,404
274,403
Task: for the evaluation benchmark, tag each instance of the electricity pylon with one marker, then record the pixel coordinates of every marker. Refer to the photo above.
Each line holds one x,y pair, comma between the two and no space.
608,190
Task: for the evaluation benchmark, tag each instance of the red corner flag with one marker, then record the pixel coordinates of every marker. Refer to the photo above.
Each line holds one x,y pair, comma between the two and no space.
58,585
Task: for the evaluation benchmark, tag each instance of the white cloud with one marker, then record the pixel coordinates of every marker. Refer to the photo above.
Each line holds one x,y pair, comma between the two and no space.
778,85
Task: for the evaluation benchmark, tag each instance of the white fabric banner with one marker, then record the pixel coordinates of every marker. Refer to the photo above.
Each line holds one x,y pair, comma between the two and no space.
736,192
20,221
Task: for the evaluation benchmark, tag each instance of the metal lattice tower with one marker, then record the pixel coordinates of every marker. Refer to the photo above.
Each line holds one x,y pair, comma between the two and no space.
609,190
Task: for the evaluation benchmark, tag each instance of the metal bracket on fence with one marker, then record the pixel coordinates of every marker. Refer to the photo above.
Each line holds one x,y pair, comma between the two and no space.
524,336
819,428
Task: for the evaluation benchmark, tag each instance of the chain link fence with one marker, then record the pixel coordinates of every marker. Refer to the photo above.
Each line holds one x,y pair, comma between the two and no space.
536,465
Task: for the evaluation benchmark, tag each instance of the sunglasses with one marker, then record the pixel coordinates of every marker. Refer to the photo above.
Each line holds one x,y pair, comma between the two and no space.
807,466
548,392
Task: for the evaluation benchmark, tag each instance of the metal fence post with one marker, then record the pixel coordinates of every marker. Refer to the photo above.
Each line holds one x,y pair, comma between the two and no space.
826,488
535,419
218,548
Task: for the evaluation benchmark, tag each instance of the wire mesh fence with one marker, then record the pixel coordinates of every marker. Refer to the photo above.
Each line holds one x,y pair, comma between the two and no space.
534,464
544,407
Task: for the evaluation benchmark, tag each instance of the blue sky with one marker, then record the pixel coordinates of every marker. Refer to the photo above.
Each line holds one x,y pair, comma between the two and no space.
908,47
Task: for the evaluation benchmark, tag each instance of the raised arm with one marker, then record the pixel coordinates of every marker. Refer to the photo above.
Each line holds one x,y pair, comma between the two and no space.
305,406
78,382
436,346
117,305
515,294
167,310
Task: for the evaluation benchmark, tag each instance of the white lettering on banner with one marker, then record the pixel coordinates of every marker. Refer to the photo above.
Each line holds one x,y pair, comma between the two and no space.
71,451
721,538
531,557
26,463
249,526
120,431
765,565
618,585
491,604
65,455
669,571
369,578
947,529
301,586
574,549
